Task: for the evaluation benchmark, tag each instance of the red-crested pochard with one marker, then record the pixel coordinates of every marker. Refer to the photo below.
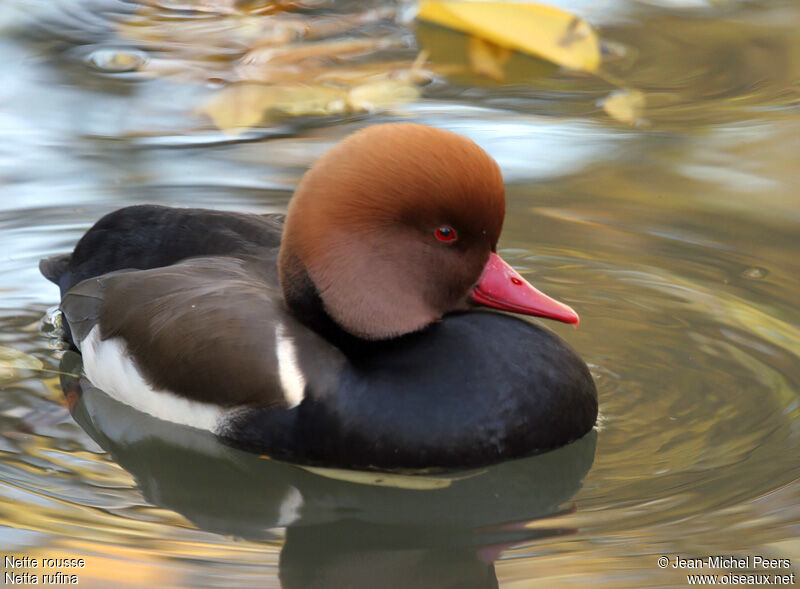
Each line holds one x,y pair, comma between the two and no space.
344,333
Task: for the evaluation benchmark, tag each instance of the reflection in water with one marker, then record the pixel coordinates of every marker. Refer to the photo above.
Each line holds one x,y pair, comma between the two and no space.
444,531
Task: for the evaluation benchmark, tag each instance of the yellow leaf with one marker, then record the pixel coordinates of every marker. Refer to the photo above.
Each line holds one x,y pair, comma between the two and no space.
242,106
625,106
13,361
487,59
379,95
536,29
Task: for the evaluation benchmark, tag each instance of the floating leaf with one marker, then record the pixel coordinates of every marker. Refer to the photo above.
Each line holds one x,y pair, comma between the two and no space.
625,106
13,361
241,106
536,29
381,95
487,59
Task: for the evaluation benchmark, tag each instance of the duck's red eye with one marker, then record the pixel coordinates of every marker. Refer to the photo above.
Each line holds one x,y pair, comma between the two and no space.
446,233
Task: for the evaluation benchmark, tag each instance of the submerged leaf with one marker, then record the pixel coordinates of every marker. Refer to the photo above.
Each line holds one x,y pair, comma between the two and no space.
297,53
241,106
539,30
626,106
381,95
233,6
487,59
274,63
13,361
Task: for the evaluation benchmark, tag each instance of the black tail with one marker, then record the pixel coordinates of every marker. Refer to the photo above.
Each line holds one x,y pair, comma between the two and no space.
55,268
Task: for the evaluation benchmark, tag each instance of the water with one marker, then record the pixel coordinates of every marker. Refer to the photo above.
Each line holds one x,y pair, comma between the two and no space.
676,241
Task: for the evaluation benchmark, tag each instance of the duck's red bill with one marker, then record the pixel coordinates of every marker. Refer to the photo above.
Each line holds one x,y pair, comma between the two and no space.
501,287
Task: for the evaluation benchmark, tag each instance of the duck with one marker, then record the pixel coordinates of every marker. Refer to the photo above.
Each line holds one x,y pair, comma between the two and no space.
373,326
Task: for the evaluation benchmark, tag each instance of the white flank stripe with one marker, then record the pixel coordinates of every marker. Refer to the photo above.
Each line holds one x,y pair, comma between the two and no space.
290,507
292,381
112,370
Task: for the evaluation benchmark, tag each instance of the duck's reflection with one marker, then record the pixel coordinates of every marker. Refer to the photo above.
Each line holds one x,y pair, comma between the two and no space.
342,529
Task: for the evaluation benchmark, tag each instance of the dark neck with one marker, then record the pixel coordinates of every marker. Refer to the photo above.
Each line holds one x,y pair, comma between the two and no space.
303,300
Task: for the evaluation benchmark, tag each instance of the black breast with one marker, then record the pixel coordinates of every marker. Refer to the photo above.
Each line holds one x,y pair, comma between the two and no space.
471,390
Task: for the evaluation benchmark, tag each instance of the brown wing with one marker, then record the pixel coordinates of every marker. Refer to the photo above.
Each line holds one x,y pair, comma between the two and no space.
206,329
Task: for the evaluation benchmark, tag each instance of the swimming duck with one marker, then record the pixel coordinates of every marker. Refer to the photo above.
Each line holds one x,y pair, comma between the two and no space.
343,334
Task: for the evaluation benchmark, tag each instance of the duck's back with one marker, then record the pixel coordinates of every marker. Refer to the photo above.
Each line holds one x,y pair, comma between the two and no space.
151,236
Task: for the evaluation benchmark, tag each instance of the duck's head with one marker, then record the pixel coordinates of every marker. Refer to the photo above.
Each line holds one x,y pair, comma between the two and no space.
398,225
